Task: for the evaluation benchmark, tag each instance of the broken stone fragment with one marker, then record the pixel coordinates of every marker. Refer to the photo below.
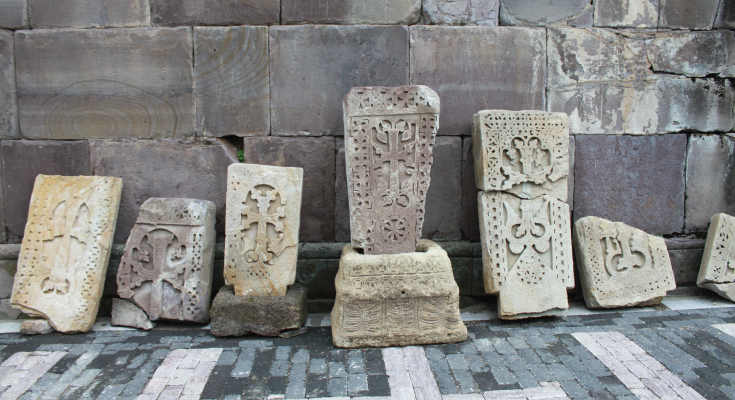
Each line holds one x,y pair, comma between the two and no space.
35,327
717,272
126,313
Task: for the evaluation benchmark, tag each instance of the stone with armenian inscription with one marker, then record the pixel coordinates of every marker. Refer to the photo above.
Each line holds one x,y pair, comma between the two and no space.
717,272
66,249
619,265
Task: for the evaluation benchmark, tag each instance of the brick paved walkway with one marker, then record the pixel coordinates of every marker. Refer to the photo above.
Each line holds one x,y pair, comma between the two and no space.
646,354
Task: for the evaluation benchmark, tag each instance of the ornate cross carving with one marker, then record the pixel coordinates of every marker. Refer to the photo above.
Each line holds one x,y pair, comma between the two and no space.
400,140
263,245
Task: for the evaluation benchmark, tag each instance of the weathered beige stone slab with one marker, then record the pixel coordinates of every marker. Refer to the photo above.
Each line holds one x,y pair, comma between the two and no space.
620,266
89,13
168,262
66,248
389,135
262,228
14,15
717,272
390,12
521,152
9,128
526,253
396,299
462,12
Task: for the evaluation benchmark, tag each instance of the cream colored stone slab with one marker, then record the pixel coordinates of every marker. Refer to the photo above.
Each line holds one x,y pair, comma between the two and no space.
168,262
66,249
262,228
717,272
526,253
521,152
389,136
620,266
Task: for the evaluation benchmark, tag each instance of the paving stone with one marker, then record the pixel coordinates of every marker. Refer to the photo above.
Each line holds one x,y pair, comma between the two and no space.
628,14
461,64
710,170
228,12
88,83
9,128
651,168
88,14
682,14
397,12
547,12
232,80
444,199
15,14
464,12
313,68
692,53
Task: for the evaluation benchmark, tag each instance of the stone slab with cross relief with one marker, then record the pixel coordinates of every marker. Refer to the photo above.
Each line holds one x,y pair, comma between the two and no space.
717,271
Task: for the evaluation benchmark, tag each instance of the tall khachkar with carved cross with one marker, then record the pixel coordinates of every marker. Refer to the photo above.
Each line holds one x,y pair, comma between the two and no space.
717,271
521,168
389,138
167,266
66,248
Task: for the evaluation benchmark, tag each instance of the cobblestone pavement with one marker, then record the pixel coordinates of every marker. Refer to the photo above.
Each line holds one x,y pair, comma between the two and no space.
668,354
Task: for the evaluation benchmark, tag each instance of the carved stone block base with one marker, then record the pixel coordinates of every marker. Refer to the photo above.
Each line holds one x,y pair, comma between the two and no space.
717,272
396,299
236,315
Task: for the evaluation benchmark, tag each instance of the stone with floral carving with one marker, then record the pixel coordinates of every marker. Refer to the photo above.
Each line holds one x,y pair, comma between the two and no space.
66,248
521,152
717,272
526,253
620,266
167,266
262,228
389,136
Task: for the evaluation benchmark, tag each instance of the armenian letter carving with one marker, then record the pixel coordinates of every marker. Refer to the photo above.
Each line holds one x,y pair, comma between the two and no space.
620,265
717,272
167,265
262,228
66,248
389,137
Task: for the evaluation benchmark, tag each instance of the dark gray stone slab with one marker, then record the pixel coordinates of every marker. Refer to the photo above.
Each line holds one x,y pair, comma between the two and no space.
88,13
462,12
391,12
637,180
268,316
105,83
710,186
462,64
223,12
442,220
14,14
626,14
686,263
687,14
231,79
317,157
725,15
341,201
9,128
164,168
313,68
470,220
542,13
23,160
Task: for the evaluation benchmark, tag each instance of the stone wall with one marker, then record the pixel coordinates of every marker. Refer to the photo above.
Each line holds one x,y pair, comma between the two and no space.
164,93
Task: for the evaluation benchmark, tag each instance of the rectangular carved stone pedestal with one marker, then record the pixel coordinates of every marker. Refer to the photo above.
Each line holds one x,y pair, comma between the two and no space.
396,299
264,315
717,272
620,266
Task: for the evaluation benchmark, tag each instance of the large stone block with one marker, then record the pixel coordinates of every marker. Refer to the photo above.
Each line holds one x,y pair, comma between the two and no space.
522,152
23,160
164,168
687,14
546,12
526,254
88,13
399,12
725,15
105,83
462,64
389,137
710,179
317,157
262,233
167,266
627,13
470,220
396,299
693,53
232,80
8,97
313,67
460,12
341,202
222,12
637,180
66,248
717,272
14,14
442,220
620,266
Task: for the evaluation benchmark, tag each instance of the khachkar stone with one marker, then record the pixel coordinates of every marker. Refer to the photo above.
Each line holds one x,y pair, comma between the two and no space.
166,268
717,272
66,248
526,253
521,152
389,136
396,299
619,265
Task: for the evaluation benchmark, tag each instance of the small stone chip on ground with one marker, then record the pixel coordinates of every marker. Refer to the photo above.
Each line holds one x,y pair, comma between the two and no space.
292,333
36,327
